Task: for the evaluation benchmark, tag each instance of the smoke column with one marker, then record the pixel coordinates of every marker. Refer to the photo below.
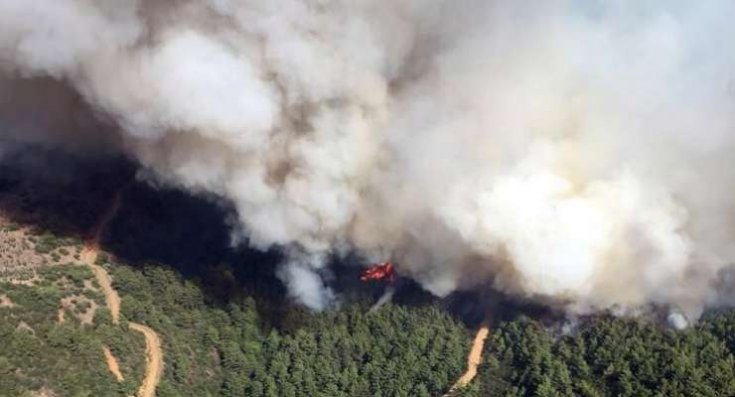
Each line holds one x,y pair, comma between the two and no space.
573,151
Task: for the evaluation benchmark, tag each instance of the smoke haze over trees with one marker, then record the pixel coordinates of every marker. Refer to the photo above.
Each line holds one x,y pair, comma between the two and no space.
572,151
228,329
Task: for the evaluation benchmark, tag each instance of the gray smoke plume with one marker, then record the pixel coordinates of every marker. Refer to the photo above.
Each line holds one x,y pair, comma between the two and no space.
575,151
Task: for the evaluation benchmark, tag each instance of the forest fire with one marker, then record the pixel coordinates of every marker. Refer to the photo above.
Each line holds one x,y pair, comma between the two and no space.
380,271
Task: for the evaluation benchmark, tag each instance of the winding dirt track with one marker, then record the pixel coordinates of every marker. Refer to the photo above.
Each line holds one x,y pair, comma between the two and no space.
112,364
105,282
91,251
473,360
154,353
153,359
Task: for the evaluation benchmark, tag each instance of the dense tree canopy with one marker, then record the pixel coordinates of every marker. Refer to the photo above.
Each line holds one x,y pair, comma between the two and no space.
607,356
228,330
210,350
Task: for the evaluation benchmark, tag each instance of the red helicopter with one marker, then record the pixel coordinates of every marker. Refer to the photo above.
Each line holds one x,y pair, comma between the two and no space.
380,271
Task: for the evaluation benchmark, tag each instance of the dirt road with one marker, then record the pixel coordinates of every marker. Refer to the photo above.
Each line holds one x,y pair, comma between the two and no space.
91,251
473,360
105,282
112,364
154,360
154,353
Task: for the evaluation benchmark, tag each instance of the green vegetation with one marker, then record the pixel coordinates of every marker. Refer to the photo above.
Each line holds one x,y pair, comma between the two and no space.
610,356
214,350
46,243
236,347
394,352
74,274
228,329
37,352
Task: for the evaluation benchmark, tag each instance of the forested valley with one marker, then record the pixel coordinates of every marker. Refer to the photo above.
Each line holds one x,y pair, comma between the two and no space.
228,328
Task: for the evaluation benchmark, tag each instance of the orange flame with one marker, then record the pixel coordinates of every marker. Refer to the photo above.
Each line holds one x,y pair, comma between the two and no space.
380,271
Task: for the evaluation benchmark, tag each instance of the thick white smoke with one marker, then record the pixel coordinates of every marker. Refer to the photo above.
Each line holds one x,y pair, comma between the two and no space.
574,150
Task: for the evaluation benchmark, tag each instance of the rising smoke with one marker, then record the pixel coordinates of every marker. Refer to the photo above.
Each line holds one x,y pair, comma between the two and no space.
576,151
